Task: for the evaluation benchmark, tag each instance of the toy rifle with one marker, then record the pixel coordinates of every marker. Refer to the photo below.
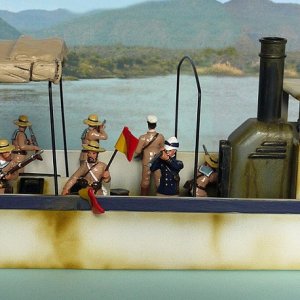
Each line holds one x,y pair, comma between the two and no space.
21,164
205,150
155,157
34,141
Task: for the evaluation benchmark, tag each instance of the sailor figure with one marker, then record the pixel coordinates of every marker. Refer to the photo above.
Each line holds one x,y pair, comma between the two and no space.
169,167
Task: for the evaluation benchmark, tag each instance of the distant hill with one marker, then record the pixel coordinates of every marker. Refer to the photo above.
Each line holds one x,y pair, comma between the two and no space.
35,20
258,18
174,24
168,24
7,32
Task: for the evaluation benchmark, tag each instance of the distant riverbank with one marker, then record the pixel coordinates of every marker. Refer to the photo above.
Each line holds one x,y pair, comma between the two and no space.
118,61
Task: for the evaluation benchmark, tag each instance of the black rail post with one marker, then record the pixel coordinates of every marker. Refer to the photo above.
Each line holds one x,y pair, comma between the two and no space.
53,137
198,114
64,127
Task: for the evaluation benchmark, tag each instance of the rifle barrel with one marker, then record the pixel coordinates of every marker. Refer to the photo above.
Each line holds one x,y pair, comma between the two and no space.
21,164
205,150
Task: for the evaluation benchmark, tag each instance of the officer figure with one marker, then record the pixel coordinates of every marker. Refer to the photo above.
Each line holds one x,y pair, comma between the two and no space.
169,167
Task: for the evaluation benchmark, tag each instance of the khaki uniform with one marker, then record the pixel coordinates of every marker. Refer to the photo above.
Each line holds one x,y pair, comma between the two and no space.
22,145
94,175
91,134
148,154
203,181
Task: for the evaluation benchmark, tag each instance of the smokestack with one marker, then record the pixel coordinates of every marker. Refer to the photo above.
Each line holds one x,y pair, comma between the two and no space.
258,158
272,57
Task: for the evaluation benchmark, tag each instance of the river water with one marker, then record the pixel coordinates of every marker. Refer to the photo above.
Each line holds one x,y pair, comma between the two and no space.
226,102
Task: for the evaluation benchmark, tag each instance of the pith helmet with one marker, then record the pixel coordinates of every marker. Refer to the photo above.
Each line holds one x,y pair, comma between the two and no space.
5,146
22,121
172,143
92,120
93,146
212,160
152,119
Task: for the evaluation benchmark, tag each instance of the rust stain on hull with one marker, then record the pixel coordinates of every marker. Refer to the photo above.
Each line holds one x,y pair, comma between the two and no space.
135,240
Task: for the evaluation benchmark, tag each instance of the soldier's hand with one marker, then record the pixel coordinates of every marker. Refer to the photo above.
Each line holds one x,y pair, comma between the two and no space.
164,155
106,176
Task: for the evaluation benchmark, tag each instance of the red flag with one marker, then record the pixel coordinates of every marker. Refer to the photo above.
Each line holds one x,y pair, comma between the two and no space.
127,143
89,195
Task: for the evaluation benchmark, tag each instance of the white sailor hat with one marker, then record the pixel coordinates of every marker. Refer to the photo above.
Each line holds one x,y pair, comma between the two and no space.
152,119
171,143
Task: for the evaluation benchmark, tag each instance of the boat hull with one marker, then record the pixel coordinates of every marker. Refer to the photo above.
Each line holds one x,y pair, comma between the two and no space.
69,238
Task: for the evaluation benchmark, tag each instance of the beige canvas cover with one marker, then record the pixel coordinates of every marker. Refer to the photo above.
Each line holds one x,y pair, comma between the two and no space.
28,59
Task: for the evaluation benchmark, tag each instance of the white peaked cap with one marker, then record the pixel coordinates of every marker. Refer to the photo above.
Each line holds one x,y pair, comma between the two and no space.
172,143
152,119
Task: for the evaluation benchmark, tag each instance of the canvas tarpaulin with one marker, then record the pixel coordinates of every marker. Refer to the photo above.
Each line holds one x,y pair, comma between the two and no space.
27,59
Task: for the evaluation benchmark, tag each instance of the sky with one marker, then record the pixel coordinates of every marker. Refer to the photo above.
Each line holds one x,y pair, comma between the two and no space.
79,5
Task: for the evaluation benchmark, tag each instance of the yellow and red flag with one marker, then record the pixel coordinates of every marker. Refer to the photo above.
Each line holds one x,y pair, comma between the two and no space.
127,143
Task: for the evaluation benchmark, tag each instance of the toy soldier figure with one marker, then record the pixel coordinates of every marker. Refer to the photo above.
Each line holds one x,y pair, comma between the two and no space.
20,141
6,164
169,166
148,146
95,132
207,174
91,173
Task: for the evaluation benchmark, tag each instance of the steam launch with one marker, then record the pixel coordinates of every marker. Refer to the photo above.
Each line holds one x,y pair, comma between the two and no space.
259,158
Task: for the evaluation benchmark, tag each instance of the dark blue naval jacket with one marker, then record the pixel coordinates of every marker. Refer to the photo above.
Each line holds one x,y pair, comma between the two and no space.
169,180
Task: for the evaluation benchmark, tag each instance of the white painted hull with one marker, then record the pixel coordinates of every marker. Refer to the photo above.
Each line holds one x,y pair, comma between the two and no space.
148,240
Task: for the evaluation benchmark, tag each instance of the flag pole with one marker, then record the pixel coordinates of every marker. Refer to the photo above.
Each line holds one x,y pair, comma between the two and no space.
111,159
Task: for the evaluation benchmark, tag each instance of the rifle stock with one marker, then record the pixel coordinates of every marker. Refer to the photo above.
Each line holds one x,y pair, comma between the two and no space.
21,164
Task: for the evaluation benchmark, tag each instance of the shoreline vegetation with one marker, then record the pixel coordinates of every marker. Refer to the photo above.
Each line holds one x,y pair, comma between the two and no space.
120,61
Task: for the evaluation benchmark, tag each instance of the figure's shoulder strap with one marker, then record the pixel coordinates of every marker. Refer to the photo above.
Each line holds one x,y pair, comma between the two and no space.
83,135
90,168
16,132
14,135
153,139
